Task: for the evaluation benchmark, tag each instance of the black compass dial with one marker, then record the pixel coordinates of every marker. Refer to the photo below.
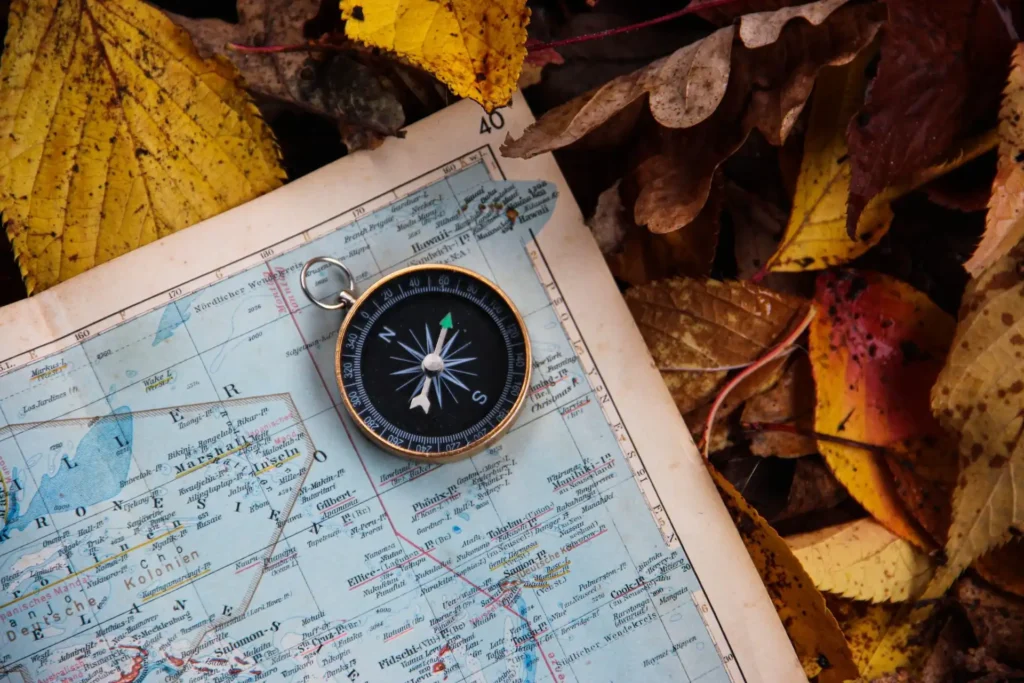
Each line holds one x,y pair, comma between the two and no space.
433,360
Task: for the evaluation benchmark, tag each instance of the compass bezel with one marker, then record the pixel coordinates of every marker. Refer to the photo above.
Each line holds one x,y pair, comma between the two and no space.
469,449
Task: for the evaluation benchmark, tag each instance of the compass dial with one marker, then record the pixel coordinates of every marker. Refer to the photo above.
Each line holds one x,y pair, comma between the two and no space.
434,362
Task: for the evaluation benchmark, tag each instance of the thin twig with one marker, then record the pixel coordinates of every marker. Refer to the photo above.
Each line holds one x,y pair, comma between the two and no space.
775,352
793,429
274,49
587,37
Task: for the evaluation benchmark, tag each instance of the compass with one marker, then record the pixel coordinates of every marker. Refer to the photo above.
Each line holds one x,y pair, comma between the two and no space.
433,361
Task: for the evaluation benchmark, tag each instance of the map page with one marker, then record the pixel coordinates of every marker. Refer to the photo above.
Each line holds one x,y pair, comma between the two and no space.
184,497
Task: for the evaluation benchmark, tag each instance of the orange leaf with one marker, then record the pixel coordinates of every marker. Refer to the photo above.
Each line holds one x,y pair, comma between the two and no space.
876,349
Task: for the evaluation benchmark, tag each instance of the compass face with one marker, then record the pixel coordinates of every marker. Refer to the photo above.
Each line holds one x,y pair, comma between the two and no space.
433,362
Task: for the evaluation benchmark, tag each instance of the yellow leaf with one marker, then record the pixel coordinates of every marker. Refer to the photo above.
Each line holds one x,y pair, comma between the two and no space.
811,627
816,236
885,637
476,48
1004,224
980,395
862,560
113,133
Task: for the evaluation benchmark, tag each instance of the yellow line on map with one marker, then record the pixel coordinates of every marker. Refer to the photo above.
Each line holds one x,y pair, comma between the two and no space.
210,462
87,569
278,464
179,584
525,551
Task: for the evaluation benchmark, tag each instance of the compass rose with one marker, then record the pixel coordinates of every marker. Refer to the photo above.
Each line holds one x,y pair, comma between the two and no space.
434,364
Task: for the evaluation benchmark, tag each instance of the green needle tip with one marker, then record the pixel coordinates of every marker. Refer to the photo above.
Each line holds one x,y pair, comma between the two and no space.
446,322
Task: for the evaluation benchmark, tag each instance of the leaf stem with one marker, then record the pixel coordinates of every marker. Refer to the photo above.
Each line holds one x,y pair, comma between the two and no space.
775,352
587,37
793,429
273,49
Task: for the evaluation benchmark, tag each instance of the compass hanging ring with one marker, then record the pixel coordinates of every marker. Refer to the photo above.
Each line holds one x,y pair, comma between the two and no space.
345,297
433,361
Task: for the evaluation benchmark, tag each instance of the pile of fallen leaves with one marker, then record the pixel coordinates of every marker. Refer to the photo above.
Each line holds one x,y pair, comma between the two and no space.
815,211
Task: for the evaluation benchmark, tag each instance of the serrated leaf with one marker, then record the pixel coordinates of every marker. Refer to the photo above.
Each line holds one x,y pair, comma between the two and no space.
862,560
876,349
113,133
979,395
1003,567
811,627
699,330
1004,223
475,48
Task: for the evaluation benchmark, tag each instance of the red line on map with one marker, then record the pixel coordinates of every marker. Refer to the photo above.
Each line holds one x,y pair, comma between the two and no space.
588,539
525,521
398,635
434,505
338,504
585,475
387,515
326,642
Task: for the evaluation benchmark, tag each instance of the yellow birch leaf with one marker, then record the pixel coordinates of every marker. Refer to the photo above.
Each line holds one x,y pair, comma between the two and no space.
476,48
862,560
1004,224
816,637
885,637
816,236
113,133
980,395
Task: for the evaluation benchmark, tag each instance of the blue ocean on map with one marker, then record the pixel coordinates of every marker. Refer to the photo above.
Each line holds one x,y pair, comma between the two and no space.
94,474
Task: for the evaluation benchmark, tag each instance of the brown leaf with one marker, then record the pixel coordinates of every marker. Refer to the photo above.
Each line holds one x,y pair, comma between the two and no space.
811,627
688,87
814,488
611,221
997,619
699,330
334,85
758,225
1004,567
668,81
791,401
763,28
933,68
756,383
643,255
768,88
925,470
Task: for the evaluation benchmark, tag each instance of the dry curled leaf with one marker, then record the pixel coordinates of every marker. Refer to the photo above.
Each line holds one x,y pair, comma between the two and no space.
113,133
876,350
811,627
862,560
997,619
813,488
1003,567
688,87
790,401
700,330
763,28
936,61
980,396
1004,224
475,48
642,255
332,84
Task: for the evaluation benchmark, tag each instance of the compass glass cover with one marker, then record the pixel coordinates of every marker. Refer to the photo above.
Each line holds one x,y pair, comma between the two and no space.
433,360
